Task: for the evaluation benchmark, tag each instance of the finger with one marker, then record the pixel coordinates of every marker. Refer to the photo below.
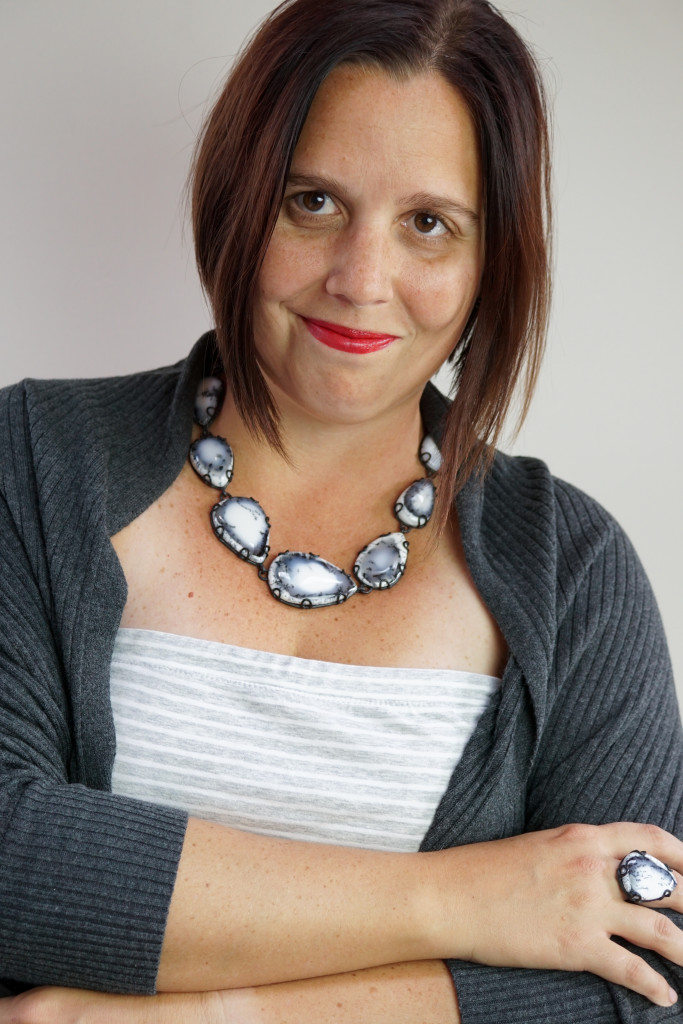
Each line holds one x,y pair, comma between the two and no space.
625,968
675,900
651,838
649,929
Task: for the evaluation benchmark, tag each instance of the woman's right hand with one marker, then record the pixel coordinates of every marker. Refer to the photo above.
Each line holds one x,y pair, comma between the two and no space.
551,900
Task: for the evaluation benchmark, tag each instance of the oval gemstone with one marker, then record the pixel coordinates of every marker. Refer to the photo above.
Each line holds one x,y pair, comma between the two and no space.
211,457
383,561
208,400
430,456
308,581
242,525
645,878
415,505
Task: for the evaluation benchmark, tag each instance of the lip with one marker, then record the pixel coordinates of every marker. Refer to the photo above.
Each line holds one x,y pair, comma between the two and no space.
347,339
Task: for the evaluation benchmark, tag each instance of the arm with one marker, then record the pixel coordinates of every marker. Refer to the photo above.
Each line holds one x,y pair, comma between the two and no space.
610,750
253,910
250,910
86,877
397,994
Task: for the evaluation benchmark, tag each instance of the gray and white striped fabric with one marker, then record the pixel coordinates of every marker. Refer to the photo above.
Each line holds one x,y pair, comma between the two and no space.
284,746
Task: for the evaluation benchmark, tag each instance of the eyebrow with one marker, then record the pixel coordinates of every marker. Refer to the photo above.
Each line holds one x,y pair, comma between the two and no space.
430,201
421,200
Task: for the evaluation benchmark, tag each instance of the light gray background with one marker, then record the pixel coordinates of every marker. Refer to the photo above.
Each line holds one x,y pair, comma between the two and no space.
100,102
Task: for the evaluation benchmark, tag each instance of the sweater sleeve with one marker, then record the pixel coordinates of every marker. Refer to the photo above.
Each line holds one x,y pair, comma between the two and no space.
610,749
85,877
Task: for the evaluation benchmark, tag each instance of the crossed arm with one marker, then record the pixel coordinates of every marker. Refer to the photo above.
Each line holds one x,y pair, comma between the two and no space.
340,907
396,994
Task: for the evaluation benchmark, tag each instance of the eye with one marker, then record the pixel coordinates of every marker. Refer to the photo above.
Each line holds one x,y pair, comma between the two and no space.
314,202
429,224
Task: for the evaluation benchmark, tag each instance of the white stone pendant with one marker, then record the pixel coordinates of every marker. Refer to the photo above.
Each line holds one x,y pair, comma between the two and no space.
382,562
242,525
208,400
430,456
415,505
308,581
212,459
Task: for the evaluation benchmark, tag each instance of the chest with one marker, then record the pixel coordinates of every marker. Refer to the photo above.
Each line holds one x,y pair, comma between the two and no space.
182,580
286,746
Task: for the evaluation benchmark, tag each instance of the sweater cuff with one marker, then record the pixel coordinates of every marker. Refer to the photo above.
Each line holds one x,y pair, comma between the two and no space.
93,886
516,996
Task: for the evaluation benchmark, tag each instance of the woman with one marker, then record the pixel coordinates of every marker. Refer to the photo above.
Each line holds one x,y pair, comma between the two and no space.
369,201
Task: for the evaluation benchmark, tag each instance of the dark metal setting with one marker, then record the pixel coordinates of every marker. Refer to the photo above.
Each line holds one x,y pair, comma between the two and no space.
644,879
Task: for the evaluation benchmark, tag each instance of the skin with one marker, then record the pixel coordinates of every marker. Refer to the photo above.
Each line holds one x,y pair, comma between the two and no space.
359,243
396,994
307,931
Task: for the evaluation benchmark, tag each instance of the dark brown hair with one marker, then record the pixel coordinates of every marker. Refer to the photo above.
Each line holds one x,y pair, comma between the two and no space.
246,146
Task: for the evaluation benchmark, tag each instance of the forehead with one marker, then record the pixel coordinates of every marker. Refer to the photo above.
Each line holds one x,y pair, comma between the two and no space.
413,131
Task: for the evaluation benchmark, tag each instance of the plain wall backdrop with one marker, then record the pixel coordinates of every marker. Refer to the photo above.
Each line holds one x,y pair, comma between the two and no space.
100,102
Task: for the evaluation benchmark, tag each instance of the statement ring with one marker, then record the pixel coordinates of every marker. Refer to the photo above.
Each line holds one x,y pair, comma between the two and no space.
643,878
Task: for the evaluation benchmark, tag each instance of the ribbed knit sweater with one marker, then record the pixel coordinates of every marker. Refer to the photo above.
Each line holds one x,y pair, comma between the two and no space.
585,726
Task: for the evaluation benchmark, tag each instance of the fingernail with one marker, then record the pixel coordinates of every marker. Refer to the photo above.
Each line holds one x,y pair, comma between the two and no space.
673,995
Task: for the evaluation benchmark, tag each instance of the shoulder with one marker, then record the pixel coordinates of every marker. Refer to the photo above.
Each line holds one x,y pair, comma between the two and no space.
523,490
521,508
58,411
532,540
552,528
546,556
120,439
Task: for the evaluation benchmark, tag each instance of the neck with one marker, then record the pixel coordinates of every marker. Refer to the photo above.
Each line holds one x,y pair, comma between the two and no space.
381,451
321,499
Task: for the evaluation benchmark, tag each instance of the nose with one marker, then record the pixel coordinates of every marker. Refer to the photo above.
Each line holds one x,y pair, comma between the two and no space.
362,267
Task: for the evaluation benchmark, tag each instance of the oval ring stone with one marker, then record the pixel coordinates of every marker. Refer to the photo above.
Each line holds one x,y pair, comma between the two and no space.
242,525
207,400
211,457
430,456
382,562
308,581
643,878
415,505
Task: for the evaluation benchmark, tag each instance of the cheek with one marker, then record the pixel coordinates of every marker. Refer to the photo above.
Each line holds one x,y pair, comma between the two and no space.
289,268
441,298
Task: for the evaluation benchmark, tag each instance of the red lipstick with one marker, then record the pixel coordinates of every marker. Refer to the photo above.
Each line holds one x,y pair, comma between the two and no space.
347,339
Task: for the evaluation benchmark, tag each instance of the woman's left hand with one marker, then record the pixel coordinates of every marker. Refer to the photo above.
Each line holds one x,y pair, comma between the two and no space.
52,1005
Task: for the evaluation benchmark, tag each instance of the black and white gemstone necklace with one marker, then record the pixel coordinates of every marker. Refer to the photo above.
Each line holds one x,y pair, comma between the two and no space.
297,578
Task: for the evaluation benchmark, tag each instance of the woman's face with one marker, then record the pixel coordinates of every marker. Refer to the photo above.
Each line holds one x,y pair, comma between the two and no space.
380,232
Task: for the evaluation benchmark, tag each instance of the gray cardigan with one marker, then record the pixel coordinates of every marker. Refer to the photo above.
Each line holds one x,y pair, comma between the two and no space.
585,727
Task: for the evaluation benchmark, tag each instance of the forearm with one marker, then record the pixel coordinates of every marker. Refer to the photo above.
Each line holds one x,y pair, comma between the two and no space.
251,910
53,1005
397,994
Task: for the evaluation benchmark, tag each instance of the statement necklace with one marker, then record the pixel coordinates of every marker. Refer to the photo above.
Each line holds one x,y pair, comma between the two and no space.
297,578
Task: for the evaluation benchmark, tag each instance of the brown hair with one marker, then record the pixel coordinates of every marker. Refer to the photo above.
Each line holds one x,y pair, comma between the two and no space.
246,146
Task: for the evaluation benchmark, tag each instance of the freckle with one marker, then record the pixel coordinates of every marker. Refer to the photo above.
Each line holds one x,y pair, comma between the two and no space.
191,594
